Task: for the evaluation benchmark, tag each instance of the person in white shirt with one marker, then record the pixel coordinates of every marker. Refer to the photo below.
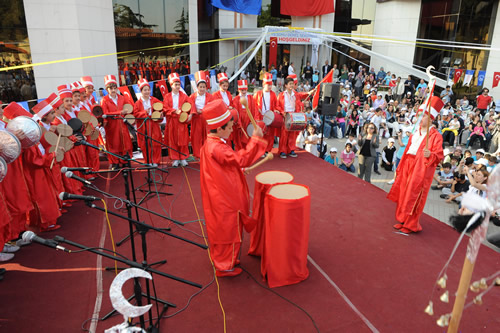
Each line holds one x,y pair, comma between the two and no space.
291,69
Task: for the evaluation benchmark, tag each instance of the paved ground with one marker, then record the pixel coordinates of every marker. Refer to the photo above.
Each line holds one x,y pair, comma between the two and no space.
435,206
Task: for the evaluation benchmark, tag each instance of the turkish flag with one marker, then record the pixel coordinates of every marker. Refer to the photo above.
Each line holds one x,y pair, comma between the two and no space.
162,84
126,93
207,74
496,78
306,7
273,51
327,79
457,75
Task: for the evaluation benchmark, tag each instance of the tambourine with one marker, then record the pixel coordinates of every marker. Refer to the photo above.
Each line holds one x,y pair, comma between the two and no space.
186,107
84,116
130,119
26,129
128,108
156,116
10,146
3,169
183,117
158,106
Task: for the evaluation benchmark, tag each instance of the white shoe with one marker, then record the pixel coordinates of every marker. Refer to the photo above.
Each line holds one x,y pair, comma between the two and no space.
175,164
6,256
184,163
390,182
7,248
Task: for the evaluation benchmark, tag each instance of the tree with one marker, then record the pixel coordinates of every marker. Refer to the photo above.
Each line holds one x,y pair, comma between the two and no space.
181,29
265,18
124,17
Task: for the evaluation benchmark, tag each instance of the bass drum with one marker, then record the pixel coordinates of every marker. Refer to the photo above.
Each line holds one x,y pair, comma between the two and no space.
10,147
295,121
273,119
250,127
26,129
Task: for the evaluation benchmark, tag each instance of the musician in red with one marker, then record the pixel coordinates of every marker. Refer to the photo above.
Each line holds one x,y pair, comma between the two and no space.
88,84
88,101
288,101
176,131
240,136
143,108
224,188
416,171
198,125
265,100
117,135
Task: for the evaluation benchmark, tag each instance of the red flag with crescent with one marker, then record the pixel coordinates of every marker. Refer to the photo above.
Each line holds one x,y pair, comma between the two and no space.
126,93
327,79
457,75
273,51
162,84
496,79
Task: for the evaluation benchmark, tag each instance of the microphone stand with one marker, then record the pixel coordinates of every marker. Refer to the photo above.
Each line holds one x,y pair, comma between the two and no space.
138,294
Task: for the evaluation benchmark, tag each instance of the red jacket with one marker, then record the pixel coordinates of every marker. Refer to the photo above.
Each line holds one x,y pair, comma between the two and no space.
258,99
281,102
175,131
117,136
217,95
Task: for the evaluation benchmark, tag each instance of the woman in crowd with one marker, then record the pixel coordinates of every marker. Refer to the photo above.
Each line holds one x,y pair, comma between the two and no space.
477,132
368,142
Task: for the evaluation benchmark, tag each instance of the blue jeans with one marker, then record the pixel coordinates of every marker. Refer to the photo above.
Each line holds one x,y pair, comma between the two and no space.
397,162
328,130
377,161
342,128
345,168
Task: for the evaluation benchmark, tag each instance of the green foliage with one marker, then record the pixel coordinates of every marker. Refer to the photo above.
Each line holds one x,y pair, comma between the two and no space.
126,18
265,18
180,27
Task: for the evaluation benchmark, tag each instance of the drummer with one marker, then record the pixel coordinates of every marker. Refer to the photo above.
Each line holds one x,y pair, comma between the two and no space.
176,131
288,101
143,109
198,125
265,100
117,135
239,138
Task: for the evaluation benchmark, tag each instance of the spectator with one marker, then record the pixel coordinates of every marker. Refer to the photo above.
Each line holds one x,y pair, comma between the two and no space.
310,139
315,79
421,86
403,138
446,95
354,144
492,163
307,71
483,101
368,143
274,73
451,131
327,68
477,132
380,74
332,158
444,177
291,69
307,86
347,159
459,186
389,155
478,180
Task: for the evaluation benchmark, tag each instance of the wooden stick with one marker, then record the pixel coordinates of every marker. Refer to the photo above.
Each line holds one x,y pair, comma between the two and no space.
244,102
57,147
269,156
463,287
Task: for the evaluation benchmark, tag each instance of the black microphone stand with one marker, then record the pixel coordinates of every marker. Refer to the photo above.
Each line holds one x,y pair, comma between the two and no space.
138,294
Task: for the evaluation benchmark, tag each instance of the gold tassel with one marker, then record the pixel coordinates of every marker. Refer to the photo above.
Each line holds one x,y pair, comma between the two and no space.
483,284
475,287
429,309
442,281
478,300
445,297
443,321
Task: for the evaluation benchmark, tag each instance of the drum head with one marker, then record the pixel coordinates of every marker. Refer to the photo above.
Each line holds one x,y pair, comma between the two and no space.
94,135
97,110
26,129
156,115
274,177
67,144
130,119
186,107
183,117
3,169
84,116
289,191
51,138
250,127
94,121
128,108
288,121
158,106
10,146
268,118
64,130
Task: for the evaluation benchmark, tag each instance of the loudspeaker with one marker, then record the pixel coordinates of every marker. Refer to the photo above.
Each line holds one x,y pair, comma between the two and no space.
331,93
328,109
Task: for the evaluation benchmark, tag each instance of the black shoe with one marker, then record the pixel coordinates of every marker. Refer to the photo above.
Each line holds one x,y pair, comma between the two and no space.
292,154
444,196
377,172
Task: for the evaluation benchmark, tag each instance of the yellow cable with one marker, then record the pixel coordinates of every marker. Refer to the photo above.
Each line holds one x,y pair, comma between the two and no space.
208,250
110,234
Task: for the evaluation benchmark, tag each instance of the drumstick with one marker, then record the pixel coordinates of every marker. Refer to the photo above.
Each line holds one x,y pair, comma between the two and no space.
269,156
244,102
57,147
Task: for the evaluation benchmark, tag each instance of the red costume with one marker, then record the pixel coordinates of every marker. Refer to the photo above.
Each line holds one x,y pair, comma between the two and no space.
117,136
288,138
239,138
413,180
224,189
176,133
153,130
260,109
198,124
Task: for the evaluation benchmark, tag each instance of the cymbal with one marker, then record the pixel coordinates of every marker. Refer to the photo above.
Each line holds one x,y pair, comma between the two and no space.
128,108
158,106
183,117
186,107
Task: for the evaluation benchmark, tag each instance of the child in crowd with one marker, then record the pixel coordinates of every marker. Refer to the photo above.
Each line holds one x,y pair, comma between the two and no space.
444,178
478,180
332,158
454,160
351,139
310,139
347,159
389,155
459,185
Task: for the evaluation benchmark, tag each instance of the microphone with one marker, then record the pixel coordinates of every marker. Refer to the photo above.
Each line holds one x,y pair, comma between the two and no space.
70,174
68,196
30,236
65,169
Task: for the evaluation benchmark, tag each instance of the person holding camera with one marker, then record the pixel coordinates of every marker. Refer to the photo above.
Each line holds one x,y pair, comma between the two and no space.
459,185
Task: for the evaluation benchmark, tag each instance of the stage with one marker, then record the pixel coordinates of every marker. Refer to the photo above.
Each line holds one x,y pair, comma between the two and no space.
363,276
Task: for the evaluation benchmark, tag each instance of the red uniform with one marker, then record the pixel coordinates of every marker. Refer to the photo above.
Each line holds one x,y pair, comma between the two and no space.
240,139
414,178
41,188
176,133
153,130
117,136
198,124
225,194
260,109
288,138
219,95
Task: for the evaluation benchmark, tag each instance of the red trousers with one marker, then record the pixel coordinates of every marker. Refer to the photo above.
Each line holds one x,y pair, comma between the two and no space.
174,155
287,141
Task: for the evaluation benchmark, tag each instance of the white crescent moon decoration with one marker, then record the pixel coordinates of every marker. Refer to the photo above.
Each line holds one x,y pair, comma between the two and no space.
119,302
